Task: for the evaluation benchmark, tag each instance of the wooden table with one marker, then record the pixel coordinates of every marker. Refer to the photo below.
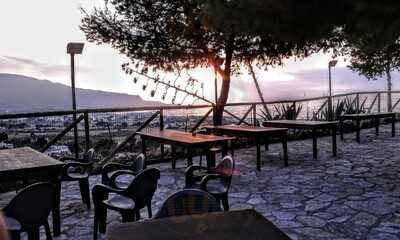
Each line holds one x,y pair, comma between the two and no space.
258,134
363,116
25,163
184,139
313,125
233,225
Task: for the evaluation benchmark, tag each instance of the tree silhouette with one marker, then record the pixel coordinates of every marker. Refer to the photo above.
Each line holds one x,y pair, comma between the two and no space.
172,36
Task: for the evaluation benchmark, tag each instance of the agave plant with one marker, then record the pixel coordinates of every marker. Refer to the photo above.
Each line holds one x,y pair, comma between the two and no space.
287,112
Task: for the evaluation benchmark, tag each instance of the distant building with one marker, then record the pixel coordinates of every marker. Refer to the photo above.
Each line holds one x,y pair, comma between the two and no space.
58,151
4,145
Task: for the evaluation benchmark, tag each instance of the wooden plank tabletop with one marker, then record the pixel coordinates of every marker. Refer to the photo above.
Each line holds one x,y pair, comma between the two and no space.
184,138
245,128
25,158
232,225
299,123
366,115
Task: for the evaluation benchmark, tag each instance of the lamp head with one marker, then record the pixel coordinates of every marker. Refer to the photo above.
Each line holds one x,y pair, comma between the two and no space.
332,63
75,48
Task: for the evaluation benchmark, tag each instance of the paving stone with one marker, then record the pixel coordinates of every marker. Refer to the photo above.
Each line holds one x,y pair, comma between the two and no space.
353,196
364,219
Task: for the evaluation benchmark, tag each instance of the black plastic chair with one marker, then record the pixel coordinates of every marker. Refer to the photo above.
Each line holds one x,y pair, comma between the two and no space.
111,171
31,208
128,202
216,181
78,170
188,202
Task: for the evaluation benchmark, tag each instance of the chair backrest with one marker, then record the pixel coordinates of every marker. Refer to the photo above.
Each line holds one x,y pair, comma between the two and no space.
139,163
226,167
143,187
89,155
188,202
32,205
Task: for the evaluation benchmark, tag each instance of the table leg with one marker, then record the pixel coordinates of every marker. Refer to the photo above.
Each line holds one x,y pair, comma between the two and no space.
258,149
393,125
173,149
56,210
377,126
162,151
189,156
144,147
266,146
210,157
314,138
334,144
358,130
341,123
224,150
285,151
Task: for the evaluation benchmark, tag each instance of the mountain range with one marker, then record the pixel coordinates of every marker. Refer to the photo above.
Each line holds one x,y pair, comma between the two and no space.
20,93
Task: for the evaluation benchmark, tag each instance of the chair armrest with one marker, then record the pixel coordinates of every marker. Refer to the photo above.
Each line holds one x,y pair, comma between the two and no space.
63,159
114,176
109,167
189,174
210,177
69,165
114,166
100,192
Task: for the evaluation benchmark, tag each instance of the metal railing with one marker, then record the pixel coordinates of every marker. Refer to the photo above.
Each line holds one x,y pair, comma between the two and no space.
124,123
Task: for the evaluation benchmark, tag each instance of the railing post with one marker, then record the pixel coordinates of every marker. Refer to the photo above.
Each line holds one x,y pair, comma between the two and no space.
294,110
214,115
162,128
254,114
357,102
379,102
161,119
76,144
87,135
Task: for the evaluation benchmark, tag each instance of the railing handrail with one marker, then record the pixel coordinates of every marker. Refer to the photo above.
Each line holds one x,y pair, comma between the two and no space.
171,107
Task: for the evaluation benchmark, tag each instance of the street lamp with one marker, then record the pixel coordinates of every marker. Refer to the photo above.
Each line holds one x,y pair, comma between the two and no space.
72,49
331,64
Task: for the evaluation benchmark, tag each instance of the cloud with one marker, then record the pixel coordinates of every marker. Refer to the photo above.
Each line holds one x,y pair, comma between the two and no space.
34,68
308,83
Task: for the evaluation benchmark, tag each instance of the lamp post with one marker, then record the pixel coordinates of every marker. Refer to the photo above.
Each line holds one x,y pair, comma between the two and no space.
331,64
72,49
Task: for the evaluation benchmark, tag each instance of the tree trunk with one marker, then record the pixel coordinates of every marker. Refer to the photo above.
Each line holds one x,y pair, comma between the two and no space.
389,88
226,81
223,98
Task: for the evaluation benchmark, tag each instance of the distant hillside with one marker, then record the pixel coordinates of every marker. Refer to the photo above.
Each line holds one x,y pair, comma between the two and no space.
26,94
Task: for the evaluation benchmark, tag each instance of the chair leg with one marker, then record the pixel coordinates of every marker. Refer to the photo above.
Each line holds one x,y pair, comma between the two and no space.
128,217
149,210
95,225
48,231
85,192
103,220
34,234
137,214
15,235
225,203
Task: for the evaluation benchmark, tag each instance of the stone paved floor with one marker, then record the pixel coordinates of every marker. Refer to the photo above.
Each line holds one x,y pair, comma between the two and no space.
353,196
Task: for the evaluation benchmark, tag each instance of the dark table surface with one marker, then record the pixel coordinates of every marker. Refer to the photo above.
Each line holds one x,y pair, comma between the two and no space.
243,128
299,123
22,163
233,225
367,115
181,138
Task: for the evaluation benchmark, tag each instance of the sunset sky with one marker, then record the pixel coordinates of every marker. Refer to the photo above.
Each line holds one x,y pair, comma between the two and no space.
33,42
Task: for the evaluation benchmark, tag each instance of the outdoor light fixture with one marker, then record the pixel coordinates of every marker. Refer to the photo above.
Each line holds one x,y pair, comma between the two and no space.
72,49
75,48
331,64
